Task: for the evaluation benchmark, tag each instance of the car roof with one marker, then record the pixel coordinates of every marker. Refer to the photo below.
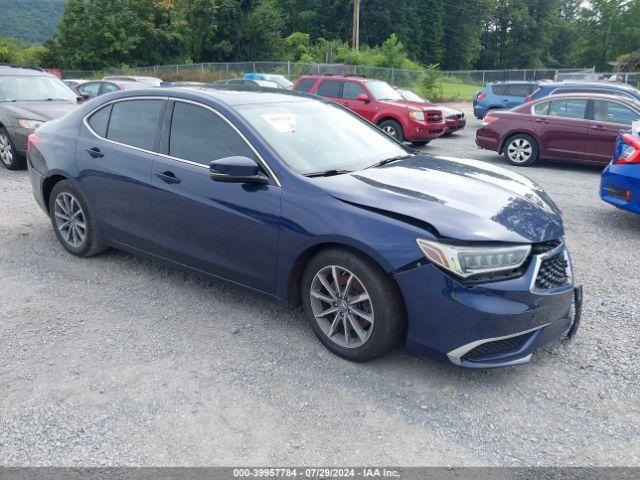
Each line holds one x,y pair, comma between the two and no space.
7,70
595,85
228,95
514,82
340,77
589,96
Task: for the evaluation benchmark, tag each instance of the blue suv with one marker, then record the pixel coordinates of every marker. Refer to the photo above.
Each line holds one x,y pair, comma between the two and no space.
577,87
502,95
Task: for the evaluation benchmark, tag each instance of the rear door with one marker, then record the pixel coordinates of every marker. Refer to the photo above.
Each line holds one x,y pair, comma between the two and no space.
115,152
350,92
225,229
562,127
609,117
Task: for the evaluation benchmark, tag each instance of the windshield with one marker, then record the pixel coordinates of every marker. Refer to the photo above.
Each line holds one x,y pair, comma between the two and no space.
383,91
280,80
312,136
412,97
33,88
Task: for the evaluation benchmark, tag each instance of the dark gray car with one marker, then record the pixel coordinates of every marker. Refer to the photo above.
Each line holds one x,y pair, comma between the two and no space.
28,98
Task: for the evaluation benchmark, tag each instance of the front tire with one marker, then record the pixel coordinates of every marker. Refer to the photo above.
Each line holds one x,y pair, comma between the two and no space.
393,129
421,143
521,150
353,307
8,155
72,221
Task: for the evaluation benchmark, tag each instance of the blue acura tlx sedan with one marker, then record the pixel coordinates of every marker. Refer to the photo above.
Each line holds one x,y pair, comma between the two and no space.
300,199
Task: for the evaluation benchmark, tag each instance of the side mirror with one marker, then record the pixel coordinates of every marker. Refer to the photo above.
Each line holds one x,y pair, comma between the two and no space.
363,97
82,97
237,170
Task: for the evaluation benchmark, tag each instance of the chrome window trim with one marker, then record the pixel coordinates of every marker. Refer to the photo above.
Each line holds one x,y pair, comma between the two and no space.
538,259
616,101
456,355
118,100
261,160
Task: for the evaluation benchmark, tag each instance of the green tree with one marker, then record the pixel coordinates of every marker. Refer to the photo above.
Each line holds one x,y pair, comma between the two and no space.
200,29
261,33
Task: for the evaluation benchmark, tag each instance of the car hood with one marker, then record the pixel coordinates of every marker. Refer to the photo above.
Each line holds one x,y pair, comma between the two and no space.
44,110
462,199
408,104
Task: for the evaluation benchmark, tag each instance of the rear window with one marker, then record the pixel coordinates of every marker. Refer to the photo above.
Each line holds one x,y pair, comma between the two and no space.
499,89
521,90
573,108
305,84
330,88
134,122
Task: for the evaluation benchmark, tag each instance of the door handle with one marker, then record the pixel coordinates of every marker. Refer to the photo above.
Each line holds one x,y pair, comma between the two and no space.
597,127
95,152
168,177
541,120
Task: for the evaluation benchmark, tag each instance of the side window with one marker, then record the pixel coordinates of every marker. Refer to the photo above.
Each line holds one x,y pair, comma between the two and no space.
330,88
613,112
134,122
499,89
108,88
201,136
91,89
306,84
521,90
351,90
99,121
541,108
568,108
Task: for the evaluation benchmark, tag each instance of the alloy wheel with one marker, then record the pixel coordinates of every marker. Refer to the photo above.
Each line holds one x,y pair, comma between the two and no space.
342,306
6,152
390,130
70,220
519,150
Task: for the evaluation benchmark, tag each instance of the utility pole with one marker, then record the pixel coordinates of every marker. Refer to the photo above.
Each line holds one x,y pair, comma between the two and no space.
355,37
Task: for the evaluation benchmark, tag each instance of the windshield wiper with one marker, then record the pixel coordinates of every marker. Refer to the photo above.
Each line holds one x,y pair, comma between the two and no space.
327,173
387,161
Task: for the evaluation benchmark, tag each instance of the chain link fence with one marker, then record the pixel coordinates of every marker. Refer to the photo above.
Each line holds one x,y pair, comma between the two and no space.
209,72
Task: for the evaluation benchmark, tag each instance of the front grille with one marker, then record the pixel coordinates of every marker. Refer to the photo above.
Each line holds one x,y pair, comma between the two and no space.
498,346
553,272
434,116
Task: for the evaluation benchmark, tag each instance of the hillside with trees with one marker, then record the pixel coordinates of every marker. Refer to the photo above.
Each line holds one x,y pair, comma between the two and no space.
455,34
32,21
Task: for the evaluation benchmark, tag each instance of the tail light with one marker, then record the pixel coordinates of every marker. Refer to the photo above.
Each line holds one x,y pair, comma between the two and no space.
528,99
631,154
32,141
481,96
488,119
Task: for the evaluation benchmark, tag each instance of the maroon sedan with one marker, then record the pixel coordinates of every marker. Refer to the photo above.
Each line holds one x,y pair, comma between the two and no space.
580,128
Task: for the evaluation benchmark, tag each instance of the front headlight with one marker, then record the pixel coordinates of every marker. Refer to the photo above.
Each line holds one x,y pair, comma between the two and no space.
417,115
466,261
30,124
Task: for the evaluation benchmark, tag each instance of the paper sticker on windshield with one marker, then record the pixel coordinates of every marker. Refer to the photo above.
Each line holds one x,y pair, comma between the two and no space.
282,122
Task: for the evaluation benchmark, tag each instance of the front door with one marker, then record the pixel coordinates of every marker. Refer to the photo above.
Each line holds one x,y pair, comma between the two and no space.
226,229
350,92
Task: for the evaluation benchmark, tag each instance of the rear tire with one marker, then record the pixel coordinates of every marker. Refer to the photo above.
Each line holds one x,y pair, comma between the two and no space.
8,155
72,221
393,129
345,292
521,150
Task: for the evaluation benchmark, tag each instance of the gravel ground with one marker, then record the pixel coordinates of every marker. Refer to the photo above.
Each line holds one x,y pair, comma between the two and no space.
116,360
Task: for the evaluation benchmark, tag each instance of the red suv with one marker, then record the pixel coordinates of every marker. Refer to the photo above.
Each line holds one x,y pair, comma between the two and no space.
380,103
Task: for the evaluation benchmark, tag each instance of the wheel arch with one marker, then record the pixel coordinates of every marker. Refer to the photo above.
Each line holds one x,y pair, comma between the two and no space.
48,185
294,280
